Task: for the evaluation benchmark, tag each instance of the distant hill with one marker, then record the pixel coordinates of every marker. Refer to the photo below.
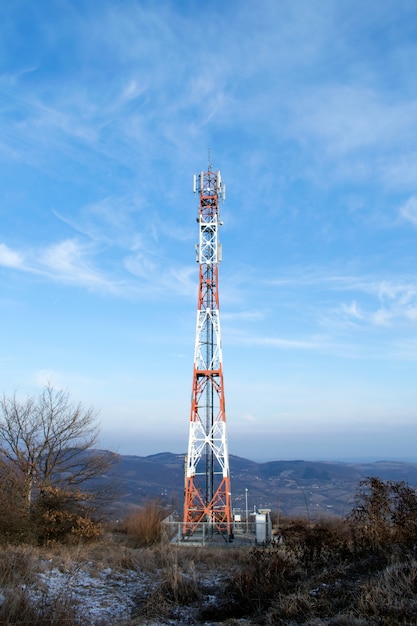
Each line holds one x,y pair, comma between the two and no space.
295,488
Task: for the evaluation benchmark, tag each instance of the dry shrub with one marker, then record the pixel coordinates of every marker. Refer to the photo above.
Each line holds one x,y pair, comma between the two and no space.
304,575
65,526
316,545
385,513
391,596
144,526
86,528
62,515
264,575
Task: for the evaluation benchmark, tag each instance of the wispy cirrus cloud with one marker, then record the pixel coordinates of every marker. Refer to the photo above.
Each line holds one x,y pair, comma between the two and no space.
71,262
11,258
379,303
313,343
409,210
348,118
68,262
351,311
337,300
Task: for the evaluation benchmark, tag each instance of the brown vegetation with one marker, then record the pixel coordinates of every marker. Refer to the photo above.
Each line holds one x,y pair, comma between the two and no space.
47,465
143,526
357,571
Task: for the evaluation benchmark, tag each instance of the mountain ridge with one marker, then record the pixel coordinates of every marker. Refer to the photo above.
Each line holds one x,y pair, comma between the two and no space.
297,487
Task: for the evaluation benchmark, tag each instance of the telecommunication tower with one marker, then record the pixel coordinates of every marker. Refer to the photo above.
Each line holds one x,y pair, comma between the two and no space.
207,480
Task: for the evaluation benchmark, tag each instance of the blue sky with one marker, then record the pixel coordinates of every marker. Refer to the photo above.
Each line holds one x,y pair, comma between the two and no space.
309,109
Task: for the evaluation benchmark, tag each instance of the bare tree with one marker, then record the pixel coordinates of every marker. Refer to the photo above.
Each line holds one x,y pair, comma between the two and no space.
48,442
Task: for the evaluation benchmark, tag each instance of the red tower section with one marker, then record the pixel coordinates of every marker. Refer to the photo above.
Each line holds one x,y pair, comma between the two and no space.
207,481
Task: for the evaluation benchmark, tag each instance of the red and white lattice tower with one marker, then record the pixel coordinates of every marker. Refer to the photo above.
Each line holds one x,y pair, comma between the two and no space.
207,481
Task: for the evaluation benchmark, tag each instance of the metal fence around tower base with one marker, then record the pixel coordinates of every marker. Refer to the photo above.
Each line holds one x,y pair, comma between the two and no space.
256,531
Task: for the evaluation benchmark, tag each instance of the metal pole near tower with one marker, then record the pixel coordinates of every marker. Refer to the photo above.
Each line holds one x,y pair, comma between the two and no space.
207,502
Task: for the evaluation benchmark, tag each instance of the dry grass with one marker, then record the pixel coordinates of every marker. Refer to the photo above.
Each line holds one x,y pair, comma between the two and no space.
144,525
16,566
298,583
391,595
327,573
18,569
19,609
176,587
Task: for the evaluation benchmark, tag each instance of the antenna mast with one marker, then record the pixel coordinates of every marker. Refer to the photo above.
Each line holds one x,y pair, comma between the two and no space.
207,481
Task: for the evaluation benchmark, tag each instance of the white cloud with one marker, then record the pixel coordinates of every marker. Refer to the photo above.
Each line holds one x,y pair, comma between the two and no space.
400,170
74,263
279,342
411,313
382,317
352,311
140,265
131,91
69,261
347,118
42,378
383,302
375,302
10,258
409,210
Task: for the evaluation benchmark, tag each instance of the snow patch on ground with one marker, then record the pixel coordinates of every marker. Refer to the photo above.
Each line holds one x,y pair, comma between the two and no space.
115,595
107,595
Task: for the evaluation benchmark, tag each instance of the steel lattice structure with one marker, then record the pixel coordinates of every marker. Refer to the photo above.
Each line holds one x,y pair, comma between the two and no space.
207,479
